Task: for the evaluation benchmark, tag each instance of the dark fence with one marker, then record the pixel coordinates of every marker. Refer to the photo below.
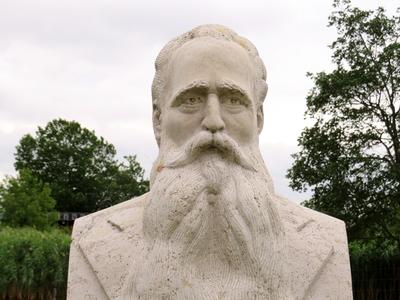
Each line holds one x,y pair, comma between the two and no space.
15,293
376,278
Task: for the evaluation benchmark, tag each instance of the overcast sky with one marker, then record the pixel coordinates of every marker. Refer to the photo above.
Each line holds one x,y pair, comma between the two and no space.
93,61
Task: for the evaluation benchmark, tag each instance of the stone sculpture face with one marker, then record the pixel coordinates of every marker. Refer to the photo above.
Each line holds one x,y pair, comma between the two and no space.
209,86
210,216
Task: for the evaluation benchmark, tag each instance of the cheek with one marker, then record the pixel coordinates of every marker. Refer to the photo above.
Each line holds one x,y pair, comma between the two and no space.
242,127
178,127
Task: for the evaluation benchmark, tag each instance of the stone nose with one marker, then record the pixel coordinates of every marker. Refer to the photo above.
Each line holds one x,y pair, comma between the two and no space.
212,119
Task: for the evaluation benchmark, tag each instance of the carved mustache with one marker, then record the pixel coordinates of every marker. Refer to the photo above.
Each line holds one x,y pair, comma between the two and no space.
208,141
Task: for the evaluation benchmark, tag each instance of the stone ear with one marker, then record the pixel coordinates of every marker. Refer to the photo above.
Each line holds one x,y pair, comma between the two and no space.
262,93
157,123
260,118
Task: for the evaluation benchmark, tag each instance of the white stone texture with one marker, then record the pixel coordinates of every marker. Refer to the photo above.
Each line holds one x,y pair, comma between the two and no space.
211,226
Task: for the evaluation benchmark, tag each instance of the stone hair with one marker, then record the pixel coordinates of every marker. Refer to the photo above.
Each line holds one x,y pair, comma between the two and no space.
217,32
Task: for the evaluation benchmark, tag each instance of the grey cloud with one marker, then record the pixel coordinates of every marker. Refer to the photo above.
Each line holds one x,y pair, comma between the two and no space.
93,61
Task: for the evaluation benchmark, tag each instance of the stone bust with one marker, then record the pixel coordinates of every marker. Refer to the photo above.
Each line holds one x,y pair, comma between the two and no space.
211,226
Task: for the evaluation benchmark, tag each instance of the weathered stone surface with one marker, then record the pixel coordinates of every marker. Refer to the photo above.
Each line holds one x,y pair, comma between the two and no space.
211,226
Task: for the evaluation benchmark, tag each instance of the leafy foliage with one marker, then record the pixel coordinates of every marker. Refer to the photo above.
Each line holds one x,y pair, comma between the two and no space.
350,157
81,168
126,182
26,201
33,262
374,268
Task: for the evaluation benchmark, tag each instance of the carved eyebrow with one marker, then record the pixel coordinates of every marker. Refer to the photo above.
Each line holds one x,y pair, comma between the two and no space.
226,85
233,86
194,85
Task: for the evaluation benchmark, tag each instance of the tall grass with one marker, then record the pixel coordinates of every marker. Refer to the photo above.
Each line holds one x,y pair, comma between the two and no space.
33,264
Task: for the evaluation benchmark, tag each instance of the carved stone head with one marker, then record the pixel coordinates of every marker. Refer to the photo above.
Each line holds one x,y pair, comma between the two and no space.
210,79
210,210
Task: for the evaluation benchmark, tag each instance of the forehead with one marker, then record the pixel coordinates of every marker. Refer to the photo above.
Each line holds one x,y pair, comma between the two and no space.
210,61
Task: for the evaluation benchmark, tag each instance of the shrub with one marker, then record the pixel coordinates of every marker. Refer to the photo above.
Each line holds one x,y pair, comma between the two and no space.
26,201
33,264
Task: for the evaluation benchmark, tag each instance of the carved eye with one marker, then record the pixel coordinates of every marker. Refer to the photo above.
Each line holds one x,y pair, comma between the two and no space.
190,103
192,100
234,101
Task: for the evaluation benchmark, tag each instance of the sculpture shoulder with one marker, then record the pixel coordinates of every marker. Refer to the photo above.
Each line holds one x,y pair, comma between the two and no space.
318,252
301,217
104,243
117,217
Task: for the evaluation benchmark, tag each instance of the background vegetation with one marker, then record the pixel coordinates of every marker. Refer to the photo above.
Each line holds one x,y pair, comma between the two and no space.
64,167
350,156
33,264
80,168
27,201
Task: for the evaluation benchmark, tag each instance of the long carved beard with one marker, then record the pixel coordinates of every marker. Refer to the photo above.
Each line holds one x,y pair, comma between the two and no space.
211,228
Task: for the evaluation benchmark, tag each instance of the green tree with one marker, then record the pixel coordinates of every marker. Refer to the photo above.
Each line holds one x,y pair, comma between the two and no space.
26,201
128,181
79,166
350,156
